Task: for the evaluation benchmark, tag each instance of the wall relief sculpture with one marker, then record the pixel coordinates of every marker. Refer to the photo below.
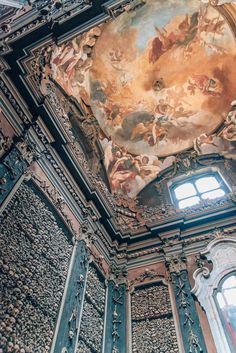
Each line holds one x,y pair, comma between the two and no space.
147,111
34,258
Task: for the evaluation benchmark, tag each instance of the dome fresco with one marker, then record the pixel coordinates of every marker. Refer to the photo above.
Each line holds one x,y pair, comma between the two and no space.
156,78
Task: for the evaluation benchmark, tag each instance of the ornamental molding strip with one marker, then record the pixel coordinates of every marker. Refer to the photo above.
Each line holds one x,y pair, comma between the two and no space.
126,217
222,253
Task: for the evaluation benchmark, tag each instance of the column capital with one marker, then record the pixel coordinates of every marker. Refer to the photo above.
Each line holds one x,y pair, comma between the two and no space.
176,263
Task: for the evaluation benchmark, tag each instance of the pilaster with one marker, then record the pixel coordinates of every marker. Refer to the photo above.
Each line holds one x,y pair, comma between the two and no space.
115,337
14,164
192,335
71,308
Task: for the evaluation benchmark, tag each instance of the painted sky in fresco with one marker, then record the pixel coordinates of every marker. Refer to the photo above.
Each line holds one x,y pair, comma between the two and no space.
156,79
148,16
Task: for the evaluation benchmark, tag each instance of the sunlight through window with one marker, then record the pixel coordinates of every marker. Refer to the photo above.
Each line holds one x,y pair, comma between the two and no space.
198,188
213,194
185,190
189,202
226,298
207,184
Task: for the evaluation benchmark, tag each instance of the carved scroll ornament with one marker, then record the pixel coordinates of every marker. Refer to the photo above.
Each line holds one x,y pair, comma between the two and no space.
222,253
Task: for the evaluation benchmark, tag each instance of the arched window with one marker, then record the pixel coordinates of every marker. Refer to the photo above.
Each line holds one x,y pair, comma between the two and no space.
226,303
216,292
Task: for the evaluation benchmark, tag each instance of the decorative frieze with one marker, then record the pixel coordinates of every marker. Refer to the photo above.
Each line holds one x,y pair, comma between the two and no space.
34,253
39,12
146,275
124,6
9,94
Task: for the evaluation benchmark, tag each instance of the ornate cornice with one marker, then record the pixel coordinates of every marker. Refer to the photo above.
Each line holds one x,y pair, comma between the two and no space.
148,275
40,12
120,6
122,218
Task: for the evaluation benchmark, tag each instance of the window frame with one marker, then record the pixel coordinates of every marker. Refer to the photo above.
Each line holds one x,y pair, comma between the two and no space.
192,179
221,253
219,290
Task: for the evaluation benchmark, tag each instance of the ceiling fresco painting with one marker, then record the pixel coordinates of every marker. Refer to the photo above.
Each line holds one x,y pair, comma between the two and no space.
159,80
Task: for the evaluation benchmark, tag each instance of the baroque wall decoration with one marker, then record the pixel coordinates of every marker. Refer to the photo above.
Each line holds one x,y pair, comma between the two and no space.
140,136
92,321
69,318
116,333
35,253
76,114
192,335
12,167
14,163
113,128
153,326
221,253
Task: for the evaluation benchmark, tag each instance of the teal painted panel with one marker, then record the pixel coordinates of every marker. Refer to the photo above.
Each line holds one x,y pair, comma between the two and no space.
192,335
67,334
12,167
115,339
